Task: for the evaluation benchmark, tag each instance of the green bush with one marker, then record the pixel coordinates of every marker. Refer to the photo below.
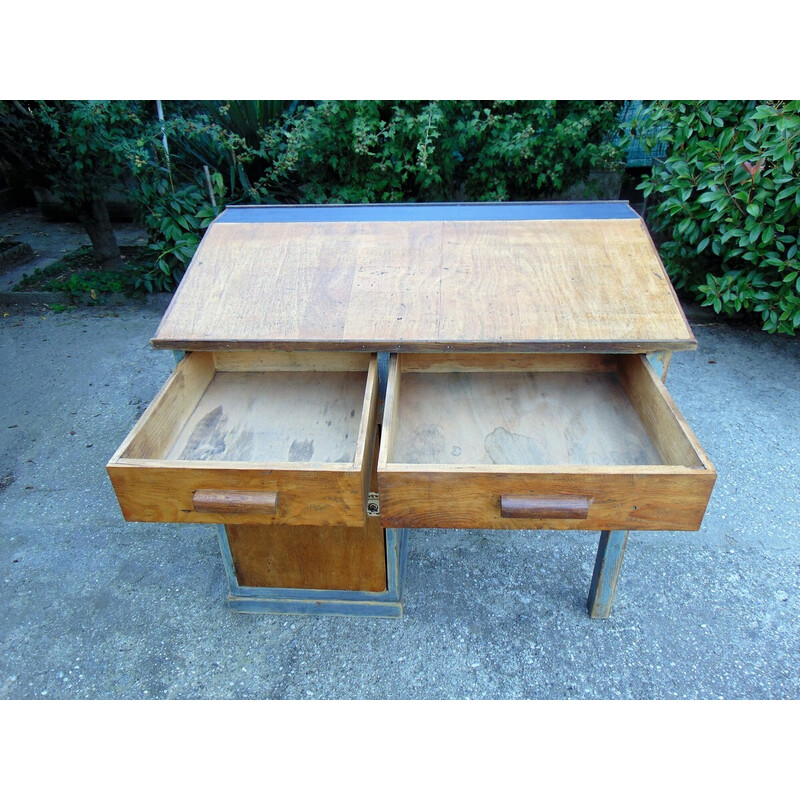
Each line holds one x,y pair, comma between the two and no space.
175,218
728,203
174,206
403,151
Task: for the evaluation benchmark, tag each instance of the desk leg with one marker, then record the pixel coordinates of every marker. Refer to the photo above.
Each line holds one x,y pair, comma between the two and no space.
607,565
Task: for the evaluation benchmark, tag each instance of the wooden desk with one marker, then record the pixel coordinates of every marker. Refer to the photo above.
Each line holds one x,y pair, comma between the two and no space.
356,371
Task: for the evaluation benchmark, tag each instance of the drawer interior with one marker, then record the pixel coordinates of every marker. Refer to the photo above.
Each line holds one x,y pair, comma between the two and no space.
274,416
574,410
283,408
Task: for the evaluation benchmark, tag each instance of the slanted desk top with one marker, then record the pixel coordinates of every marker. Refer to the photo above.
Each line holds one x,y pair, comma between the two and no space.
532,277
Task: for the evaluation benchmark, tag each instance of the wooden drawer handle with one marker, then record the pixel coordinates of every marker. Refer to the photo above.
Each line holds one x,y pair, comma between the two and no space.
219,502
535,507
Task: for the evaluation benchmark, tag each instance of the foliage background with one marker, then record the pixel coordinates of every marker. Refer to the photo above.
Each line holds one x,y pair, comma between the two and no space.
727,203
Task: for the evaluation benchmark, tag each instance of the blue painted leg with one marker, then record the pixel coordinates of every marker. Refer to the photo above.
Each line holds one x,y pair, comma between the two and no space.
607,565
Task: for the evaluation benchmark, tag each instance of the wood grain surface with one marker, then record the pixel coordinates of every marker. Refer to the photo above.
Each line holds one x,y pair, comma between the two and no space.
163,491
629,498
275,417
424,286
544,507
309,557
519,418
235,502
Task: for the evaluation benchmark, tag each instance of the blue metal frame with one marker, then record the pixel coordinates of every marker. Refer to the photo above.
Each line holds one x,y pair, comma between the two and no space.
276,600
439,212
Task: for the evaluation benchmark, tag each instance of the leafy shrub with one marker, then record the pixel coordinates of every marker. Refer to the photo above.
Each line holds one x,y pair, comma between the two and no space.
359,152
227,137
175,220
728,201
174,206
524,151
393,151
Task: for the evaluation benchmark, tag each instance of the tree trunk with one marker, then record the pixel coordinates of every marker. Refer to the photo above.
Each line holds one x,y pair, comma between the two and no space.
94,217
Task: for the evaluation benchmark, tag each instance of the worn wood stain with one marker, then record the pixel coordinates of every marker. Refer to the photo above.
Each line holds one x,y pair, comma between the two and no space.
274,416
518,419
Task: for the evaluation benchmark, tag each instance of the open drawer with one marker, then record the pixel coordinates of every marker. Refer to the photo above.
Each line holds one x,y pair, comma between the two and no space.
254,437
537,441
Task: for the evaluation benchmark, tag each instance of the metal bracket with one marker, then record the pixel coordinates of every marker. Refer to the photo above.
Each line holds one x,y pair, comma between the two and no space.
373,505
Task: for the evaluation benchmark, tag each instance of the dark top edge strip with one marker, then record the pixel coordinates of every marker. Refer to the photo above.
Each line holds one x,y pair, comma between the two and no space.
421,212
